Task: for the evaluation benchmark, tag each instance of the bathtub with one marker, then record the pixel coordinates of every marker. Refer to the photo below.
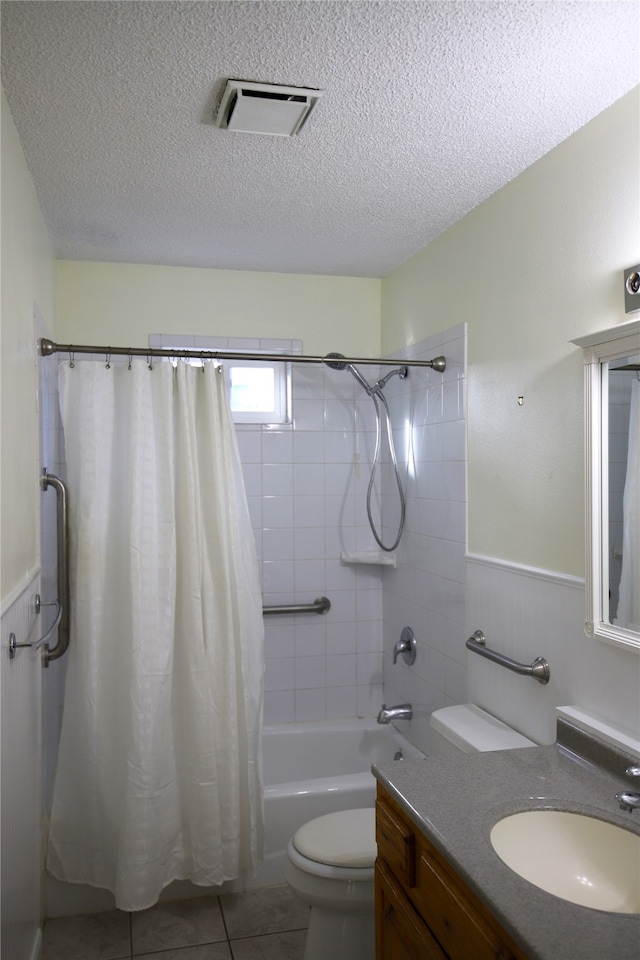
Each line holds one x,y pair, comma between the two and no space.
310,769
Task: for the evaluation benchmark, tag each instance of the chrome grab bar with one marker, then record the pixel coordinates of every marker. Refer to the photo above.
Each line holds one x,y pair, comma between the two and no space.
539,669
319,605
50,480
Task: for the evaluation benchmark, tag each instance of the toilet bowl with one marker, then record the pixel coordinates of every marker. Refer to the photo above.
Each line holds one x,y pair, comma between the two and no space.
330,866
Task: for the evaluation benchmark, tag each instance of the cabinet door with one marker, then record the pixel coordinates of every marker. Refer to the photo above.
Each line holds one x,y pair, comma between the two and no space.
400,933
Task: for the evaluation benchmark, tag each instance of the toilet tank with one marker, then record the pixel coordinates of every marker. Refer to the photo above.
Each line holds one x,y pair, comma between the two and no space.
466,728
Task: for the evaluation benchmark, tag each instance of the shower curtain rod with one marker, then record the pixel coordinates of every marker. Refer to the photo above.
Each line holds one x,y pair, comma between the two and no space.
49,347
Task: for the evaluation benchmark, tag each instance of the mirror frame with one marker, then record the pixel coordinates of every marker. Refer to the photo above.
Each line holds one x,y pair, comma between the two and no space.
599,348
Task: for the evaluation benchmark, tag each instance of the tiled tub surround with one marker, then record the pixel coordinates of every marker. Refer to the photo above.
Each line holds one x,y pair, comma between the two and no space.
427,589
455,801
306,484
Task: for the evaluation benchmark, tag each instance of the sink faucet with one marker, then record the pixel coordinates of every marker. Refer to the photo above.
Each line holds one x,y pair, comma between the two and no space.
402,711
629,800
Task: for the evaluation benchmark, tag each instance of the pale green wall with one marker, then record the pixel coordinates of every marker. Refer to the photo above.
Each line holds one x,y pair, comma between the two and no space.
535,265
27,276
121,304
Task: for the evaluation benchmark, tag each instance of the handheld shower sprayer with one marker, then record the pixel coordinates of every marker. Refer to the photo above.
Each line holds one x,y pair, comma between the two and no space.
337,362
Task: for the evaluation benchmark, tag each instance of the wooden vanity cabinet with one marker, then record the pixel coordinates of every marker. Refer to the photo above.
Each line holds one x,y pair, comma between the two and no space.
424,911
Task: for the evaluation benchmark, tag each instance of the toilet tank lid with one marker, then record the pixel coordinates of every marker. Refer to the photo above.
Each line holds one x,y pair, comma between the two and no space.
472,729
346,838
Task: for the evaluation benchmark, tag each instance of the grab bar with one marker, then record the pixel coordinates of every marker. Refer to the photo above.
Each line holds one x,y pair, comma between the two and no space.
50,480
539,669
319,605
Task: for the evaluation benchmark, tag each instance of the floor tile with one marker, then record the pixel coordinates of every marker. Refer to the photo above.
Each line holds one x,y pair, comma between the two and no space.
206,951
177,923
92,936
267,910
274,946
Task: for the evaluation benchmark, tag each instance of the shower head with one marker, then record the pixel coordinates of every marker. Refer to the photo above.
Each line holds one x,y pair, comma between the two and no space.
335,364
333,360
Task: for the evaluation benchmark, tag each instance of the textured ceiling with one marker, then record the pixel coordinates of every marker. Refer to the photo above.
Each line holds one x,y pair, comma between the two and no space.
428,108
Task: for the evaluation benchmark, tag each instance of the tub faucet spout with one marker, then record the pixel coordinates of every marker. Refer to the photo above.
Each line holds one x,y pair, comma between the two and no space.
402,711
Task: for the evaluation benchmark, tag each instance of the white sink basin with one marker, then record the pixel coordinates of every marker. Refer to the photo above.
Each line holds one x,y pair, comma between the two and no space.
575,857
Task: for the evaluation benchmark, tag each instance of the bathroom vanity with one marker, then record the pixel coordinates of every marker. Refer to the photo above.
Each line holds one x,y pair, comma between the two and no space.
423,908
442,892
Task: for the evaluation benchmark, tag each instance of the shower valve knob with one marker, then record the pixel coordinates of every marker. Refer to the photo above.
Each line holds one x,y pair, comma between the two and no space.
406,646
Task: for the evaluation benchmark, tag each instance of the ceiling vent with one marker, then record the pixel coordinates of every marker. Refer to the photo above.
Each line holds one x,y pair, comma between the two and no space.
265,108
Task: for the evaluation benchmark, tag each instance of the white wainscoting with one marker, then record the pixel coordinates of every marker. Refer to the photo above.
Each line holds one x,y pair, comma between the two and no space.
20,680
526,613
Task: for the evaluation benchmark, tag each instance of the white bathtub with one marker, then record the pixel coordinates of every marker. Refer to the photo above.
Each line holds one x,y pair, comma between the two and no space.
310,769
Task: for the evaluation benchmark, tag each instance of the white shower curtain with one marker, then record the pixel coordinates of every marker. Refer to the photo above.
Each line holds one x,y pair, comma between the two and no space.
629,599
159,771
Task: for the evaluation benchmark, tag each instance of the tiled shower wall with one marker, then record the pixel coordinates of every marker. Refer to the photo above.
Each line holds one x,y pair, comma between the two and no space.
306,485
427,590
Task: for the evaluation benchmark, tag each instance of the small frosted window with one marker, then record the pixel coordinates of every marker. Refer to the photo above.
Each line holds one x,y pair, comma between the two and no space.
252,389
259,391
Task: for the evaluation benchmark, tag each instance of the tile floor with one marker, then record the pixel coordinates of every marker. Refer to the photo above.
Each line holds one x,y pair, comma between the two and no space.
265,924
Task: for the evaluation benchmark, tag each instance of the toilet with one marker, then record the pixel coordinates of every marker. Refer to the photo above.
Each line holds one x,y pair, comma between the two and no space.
330,866
330,860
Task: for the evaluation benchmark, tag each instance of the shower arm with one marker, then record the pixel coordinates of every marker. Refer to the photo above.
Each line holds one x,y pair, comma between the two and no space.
49,347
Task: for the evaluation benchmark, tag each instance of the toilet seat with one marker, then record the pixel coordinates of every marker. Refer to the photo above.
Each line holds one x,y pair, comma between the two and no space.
327,871
343,839
337,846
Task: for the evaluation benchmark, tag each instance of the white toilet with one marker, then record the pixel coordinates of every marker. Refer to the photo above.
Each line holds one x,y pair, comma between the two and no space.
330,860
329,865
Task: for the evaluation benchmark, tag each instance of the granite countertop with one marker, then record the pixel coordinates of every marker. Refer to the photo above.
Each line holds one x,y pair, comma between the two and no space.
456,800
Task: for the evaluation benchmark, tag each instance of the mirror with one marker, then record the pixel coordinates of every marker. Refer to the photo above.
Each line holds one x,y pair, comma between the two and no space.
612,483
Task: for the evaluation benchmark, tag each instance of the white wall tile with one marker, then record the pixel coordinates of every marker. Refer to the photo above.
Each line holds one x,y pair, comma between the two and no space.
277,511
277,446
279,707
341,670
277,479
308,480
310,705
277,544
341,702
309,577
308,448
309,511
308,543
279,674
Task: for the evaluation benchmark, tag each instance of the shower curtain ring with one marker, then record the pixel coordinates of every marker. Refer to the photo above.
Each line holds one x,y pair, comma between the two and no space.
130,359
108,363
149,363
71,360
202,361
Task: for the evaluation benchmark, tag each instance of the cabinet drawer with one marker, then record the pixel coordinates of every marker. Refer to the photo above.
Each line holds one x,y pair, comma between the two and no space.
460,923
401,934
396,843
